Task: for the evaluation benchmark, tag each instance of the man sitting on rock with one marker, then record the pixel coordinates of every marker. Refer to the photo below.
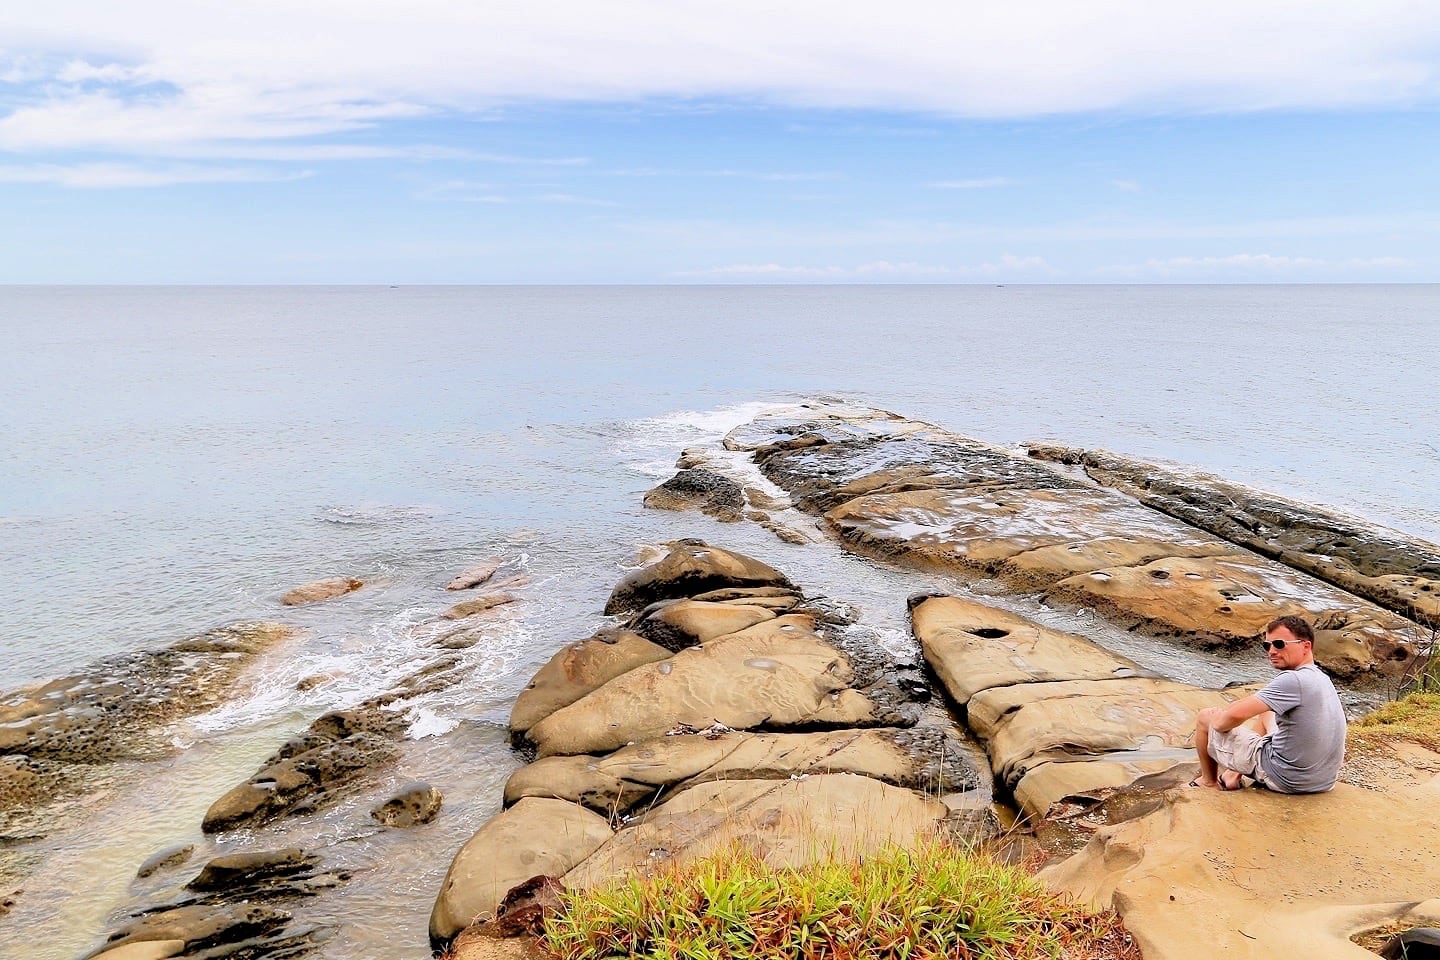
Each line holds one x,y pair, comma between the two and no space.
1289,736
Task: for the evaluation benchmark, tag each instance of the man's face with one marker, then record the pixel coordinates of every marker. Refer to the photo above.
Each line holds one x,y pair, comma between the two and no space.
1292,655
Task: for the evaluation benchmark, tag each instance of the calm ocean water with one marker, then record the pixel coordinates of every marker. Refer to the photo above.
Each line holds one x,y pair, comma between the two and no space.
173,458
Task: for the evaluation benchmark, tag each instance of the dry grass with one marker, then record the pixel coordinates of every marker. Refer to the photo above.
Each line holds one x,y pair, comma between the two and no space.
938,901
1415,717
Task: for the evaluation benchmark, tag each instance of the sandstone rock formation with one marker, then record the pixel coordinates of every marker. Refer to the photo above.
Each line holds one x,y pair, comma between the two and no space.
473,576
756,729
909,492
412,805
470,608
1387,567
1060,717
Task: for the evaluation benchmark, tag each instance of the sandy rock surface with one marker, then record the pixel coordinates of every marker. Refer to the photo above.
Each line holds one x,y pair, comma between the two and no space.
1254,874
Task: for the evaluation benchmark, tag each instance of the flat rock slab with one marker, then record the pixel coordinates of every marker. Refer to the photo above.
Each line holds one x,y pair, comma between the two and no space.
1256,875
534,837
1387,567
978,529
473,576
775,676
1226,601
471,608
615,784
788,822
690,567
973,647
579,668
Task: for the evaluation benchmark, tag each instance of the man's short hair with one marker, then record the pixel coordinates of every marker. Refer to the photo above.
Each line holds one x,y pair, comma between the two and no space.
1299,627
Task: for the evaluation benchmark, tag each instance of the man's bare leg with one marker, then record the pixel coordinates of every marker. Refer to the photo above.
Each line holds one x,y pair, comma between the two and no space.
1209,769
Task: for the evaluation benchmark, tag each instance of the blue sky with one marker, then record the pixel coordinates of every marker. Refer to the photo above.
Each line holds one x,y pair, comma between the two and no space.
686,142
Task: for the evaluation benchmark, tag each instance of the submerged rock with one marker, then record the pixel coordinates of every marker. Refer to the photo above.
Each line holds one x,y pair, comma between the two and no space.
470,608
311,769
319,590
699,489
414,804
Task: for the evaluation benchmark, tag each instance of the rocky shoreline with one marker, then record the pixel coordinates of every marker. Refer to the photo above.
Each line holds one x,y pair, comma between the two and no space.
722,704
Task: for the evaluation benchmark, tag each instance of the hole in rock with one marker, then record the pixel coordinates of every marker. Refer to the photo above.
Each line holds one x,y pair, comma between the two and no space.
990,633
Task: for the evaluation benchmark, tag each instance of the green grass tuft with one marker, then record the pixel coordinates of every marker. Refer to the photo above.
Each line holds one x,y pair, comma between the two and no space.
938,901
1414,717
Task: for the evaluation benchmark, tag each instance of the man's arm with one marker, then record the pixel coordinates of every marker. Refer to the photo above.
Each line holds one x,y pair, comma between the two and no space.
1228,718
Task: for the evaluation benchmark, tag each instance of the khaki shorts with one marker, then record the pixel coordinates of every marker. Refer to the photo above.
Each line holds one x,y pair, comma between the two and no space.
1238,750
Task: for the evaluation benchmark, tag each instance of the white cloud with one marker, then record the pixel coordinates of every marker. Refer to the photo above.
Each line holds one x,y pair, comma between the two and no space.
1129,186
108,175
877,271
122,76
981,183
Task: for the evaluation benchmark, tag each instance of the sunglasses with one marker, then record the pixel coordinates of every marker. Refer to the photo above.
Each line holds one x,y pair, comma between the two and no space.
1277,644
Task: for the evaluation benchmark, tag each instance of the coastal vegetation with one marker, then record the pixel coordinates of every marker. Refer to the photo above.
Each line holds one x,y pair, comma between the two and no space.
1414,717
938,899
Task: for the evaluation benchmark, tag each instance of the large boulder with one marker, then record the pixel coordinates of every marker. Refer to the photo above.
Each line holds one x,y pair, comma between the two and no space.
534,837
578,669
777,675
788,822
689,568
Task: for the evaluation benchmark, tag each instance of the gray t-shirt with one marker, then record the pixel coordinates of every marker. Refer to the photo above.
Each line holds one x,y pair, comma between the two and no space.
1304,753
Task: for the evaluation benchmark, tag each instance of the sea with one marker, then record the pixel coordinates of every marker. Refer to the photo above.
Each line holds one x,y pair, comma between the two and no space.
174,458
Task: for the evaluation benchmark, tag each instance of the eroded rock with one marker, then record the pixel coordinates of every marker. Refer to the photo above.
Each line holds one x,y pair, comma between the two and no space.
677,624
696,488
473,576
471,608
413,804
690,567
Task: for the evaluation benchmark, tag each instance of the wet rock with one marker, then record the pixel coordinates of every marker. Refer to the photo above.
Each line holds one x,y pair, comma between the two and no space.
470,608
778,675
1389,568
479,943
169,857
578,669
145,950
197,926
59,738
534,837
677,624
414,804
689,568
474,576
314,680
699,489
249,869
789,822
310,770
318,590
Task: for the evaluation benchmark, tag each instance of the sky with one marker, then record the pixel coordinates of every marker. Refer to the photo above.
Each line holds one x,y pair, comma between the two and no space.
677,141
